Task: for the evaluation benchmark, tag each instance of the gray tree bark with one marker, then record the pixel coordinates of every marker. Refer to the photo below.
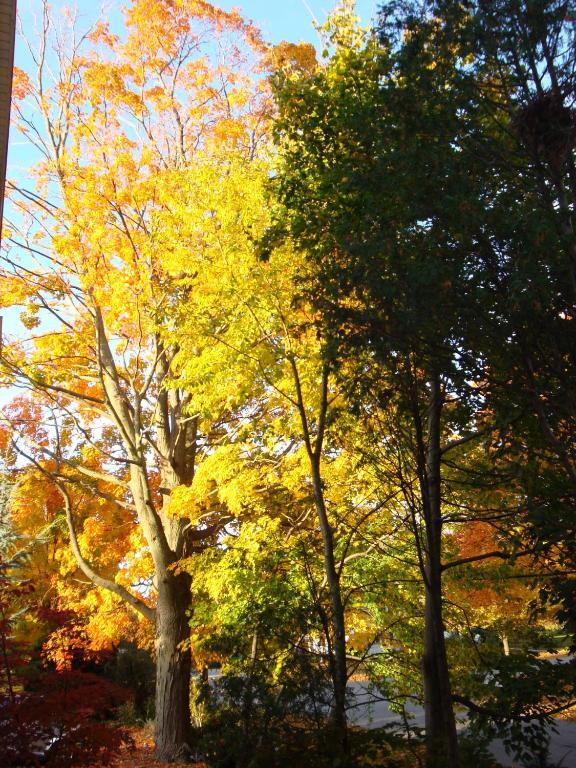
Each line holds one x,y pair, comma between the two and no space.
337,640
441,734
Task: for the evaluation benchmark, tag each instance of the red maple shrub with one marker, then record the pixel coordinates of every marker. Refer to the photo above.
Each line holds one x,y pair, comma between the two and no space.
62,722
56,718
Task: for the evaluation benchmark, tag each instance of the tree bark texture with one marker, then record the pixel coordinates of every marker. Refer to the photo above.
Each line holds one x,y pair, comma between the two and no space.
165,534
173,665
441,735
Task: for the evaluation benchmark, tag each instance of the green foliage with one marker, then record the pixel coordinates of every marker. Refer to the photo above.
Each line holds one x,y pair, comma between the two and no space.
435,256
256,719
133,669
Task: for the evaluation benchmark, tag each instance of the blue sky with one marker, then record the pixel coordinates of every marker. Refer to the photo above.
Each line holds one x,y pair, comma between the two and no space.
292,19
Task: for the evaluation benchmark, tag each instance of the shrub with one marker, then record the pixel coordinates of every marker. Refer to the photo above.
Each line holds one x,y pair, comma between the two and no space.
61,722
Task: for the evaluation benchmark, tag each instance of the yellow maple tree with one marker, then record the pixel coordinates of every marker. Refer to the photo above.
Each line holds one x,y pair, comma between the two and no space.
126,118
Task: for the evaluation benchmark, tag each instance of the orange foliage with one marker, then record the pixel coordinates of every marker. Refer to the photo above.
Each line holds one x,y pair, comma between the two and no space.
300,57
21,86
476,538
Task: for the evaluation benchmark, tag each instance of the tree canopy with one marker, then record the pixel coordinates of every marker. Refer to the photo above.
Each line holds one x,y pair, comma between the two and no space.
293,377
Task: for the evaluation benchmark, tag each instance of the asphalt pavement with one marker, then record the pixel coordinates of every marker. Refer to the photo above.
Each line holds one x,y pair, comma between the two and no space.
371,712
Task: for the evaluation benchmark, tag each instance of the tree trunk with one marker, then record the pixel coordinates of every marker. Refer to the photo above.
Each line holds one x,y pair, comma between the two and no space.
254,649
338,669
441,735
337,623
432,700
173,665
440,723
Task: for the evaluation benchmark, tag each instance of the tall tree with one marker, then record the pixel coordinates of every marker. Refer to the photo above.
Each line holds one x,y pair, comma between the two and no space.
279,390
524,64
377,173
363,238
121,120
516,61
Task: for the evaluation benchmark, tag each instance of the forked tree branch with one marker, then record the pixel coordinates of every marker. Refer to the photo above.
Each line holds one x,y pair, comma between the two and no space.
135,602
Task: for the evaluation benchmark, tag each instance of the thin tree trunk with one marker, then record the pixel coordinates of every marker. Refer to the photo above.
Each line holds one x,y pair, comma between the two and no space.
337,649
432,698
338,668
441,735
440,723
254,649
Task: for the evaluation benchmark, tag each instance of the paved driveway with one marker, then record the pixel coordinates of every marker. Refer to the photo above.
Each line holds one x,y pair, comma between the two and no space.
370,712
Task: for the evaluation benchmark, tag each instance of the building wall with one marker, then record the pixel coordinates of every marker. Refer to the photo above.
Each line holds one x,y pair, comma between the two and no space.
7,27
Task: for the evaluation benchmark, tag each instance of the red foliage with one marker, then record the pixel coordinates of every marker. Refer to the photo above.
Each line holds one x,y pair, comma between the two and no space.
68,647
53,718
61,722
55,616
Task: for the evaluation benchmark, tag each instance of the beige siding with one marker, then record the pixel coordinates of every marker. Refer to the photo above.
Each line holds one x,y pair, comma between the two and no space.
7,27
